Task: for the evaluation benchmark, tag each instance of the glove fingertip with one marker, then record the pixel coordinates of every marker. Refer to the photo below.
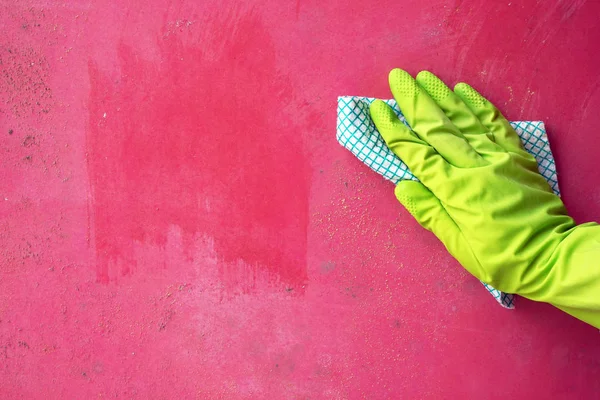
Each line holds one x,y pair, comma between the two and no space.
396,74
469,95
382,115
402,84
424,75
379,107
410,194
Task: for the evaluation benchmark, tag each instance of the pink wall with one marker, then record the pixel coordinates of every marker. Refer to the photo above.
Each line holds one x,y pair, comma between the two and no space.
178,221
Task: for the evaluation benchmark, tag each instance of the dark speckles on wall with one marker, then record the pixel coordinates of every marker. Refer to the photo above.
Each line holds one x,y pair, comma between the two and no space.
24,89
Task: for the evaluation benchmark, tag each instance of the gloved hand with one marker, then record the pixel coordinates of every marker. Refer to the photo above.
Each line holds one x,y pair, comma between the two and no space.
481,194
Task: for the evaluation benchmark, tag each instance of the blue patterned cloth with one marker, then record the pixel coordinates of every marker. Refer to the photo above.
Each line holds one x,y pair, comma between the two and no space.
356,132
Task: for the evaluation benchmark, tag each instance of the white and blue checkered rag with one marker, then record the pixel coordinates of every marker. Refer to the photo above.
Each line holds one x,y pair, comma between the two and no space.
356,132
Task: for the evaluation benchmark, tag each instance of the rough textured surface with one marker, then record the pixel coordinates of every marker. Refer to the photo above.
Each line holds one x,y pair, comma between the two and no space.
178,221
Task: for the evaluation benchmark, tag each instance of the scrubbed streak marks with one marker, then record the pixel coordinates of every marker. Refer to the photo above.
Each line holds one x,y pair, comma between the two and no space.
188,142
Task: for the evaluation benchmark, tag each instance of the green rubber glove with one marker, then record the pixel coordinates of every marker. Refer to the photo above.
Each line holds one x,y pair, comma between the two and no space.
481,194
